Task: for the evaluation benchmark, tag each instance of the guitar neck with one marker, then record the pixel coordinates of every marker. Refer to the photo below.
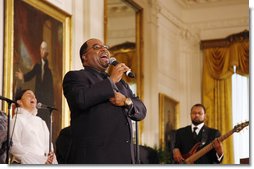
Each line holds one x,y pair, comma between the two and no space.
207,148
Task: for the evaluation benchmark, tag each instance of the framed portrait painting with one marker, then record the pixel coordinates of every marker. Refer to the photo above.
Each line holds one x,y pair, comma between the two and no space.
37,55
168,121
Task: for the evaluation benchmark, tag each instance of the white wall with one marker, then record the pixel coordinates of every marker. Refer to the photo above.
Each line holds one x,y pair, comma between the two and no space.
88,22
218,22
65,5
172,65
150,131
168,52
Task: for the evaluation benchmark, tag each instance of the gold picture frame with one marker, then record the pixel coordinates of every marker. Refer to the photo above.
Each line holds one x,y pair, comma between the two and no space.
27,24
168,121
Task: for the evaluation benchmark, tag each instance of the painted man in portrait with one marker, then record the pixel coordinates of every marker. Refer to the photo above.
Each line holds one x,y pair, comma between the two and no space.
43,81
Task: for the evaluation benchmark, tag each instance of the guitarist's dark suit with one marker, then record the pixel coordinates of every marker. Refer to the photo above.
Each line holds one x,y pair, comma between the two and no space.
185,141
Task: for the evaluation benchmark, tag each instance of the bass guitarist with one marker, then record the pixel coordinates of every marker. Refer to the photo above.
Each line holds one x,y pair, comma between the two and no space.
194,137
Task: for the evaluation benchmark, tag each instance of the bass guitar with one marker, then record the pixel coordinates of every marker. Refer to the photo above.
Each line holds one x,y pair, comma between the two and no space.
194,155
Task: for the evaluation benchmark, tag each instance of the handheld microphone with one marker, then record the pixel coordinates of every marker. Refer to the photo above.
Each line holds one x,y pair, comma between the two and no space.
113,62
43,106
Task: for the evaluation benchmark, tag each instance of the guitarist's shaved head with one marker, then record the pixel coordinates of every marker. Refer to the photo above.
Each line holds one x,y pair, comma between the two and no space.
198,112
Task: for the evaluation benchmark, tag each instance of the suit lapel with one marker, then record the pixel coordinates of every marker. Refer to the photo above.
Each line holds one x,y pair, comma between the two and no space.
204,135
94,73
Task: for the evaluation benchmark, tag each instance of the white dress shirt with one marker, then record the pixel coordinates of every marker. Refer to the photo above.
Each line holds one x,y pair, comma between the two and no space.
30,137
198,127
42,68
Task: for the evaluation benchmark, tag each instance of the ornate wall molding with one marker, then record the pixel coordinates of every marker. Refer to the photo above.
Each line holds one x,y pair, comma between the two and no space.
238,22
185,31
192,31
190,4
154,9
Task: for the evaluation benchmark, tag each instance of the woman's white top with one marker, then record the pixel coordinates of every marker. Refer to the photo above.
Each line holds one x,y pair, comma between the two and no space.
30,138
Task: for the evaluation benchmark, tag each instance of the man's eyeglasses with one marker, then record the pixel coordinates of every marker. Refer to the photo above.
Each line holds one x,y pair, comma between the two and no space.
97,47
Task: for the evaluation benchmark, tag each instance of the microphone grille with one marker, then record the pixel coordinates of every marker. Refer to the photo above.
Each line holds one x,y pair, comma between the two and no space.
111,60
39,105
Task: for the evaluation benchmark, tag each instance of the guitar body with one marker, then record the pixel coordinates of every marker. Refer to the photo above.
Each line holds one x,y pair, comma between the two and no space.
192,151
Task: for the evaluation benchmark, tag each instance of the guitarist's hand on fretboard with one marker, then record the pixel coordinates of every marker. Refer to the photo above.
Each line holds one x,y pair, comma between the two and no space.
217,145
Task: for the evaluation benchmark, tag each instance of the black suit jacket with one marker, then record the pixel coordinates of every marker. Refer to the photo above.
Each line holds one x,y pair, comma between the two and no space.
43,88
101,131
184,142
63,145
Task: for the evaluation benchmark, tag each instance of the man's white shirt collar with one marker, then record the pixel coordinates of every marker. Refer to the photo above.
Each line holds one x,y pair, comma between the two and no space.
198,127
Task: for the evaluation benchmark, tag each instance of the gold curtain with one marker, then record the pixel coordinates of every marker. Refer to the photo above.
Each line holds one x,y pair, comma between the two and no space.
240,53
217,87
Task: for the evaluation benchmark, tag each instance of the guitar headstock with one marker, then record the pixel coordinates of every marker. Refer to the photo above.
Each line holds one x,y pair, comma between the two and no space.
239,127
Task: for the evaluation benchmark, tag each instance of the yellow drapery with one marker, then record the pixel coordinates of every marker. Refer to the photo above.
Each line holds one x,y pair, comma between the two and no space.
217,87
